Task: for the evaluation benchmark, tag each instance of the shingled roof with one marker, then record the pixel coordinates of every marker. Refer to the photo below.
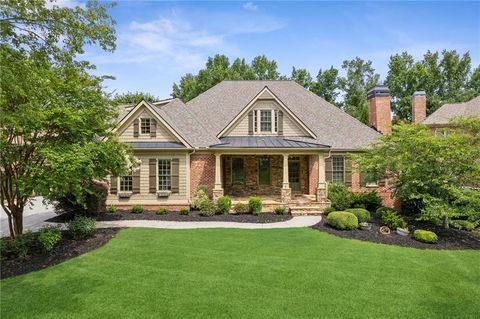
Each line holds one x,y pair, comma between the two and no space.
447,112
218,106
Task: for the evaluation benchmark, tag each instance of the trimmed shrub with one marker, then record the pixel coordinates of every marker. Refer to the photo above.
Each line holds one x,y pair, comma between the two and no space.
362,214
112,209
342,220
18,247
223,204
340,197
328,210
241,208
136,209
161,211
184,211
208,208
462,225
81,227
370,201
255,205
393,220
425,236
279,210
49,236
199,197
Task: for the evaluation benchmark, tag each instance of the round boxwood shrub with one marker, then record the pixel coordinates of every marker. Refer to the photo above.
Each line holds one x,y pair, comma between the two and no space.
161,211
280,210
462,225
136,209
184,211
425,236
342,220
241,208
362,214
208,208
112,209
223,204
81,227
255,205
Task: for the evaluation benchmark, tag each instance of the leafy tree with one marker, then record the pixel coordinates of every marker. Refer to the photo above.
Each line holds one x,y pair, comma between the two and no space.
133,98
445,79
326,85
425,167
55,120
302,77
264,68
360,77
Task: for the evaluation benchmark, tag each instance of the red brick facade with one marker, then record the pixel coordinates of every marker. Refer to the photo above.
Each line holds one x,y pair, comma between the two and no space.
419,108
379,113
313,176
382,191
202,172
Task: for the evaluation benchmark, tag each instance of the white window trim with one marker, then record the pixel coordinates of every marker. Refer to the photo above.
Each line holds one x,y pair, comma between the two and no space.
344,172
150,126
273,128
118,184
157,176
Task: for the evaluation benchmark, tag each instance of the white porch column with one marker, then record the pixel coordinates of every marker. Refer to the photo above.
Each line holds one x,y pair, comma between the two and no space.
286,191
286,183
218,190
322,182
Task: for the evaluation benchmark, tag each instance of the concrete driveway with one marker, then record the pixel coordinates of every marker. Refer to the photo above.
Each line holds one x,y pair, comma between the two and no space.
33,218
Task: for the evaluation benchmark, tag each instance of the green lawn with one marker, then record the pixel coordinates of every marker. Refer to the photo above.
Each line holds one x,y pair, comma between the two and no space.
231,273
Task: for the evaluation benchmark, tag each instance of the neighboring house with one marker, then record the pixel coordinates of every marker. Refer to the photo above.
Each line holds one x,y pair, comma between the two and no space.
440,120
274,139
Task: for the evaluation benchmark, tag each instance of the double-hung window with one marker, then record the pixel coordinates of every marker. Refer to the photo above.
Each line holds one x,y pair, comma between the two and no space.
145,123
338,169
164,174
126,183
265,121
238,175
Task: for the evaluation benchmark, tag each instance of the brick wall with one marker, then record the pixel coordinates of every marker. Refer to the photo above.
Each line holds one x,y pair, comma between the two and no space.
383,192
313,176
202,172
379,113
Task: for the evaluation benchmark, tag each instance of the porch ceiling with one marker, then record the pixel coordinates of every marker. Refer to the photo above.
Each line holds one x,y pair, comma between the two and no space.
268,142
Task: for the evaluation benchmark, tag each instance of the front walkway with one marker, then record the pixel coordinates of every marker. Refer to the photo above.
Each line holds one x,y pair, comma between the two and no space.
297,221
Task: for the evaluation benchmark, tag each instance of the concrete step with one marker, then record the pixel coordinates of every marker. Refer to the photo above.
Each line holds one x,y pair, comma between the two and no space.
310,209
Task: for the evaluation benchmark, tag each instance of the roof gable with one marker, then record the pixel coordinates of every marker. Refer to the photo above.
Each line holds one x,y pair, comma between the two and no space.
448,112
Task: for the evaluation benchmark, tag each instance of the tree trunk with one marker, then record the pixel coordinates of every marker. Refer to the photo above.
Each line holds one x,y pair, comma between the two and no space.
445,222
17,213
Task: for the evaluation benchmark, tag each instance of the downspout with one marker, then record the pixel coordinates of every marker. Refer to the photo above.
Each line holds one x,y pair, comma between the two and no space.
190,174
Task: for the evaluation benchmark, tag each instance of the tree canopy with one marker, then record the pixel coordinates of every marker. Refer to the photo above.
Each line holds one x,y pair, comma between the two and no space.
133,97
55,119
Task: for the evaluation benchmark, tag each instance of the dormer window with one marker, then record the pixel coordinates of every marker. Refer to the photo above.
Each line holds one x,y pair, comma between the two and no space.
265,121
145,124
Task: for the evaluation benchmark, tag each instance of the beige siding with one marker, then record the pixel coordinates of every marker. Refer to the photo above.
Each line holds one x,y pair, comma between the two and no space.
163,134
146,198
290,127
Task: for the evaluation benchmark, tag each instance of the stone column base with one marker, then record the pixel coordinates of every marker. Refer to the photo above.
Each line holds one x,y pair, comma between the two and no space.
286,195
217,193
321,195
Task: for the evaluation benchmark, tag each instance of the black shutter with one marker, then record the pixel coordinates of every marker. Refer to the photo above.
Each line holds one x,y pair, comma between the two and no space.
348,171
152,181
113,184
135,128
328,170
136,181
175,168
280,123
250,123
153,128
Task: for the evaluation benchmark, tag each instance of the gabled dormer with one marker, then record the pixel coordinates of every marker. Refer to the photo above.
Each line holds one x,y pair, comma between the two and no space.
266,115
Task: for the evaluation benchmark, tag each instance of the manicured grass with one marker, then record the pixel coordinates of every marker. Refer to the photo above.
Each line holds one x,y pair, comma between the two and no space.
229,273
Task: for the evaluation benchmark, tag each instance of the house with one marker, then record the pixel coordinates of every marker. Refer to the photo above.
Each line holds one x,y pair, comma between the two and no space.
441,120
274,139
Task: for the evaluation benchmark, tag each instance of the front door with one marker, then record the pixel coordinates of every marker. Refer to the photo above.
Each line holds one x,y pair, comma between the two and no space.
294,174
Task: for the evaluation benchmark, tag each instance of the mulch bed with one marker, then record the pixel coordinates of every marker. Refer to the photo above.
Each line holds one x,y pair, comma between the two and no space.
67,248
193,216
449,239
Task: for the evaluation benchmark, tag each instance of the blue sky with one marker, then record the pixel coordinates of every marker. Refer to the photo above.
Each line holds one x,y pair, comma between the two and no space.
158,42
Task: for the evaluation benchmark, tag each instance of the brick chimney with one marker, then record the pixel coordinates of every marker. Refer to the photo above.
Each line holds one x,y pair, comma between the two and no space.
419,106
379,111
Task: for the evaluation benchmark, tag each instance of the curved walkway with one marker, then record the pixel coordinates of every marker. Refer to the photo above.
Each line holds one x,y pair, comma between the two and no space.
297,221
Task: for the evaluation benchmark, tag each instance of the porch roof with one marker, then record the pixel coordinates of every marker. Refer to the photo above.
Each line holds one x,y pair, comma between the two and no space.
267,142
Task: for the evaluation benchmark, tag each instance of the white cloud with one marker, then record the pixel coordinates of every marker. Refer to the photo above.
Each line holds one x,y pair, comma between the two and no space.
250,6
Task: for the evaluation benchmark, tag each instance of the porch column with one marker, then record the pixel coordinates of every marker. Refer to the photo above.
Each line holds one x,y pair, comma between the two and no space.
218,190
322,183
286,191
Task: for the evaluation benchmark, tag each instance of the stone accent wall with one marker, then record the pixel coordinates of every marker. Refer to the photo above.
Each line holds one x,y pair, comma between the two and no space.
202,172
313,175
382,191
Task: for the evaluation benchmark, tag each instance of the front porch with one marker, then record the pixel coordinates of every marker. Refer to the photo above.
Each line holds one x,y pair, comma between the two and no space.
285,179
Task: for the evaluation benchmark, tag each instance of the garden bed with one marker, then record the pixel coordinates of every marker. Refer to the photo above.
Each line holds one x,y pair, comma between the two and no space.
193,216
66,248
447,238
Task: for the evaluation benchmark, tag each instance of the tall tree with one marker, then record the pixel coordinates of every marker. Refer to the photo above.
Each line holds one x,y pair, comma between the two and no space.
326,85
55,120
445,78
264,68
360,76
302,77
133,97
